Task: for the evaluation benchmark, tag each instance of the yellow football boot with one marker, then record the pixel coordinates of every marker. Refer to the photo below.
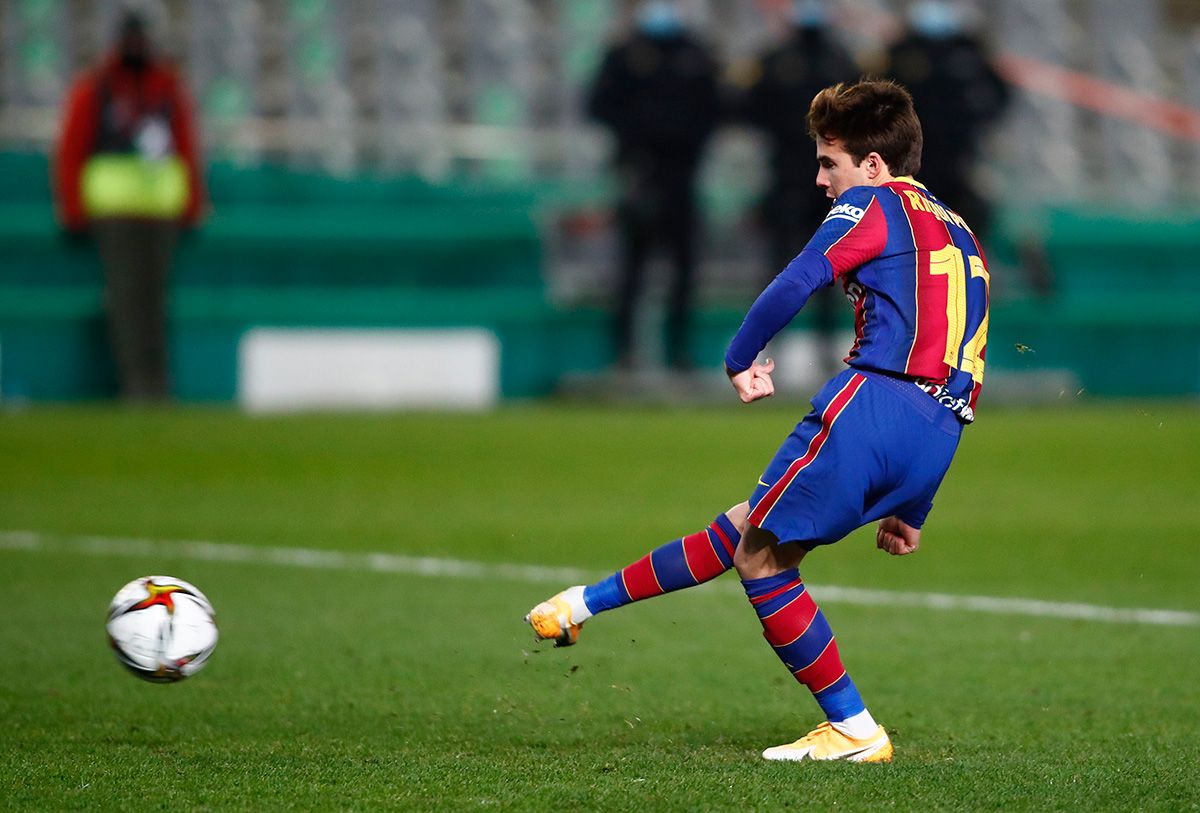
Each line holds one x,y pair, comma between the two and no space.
560,617
826,742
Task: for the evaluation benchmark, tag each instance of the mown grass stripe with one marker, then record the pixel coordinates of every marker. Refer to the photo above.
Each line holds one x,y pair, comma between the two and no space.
463,569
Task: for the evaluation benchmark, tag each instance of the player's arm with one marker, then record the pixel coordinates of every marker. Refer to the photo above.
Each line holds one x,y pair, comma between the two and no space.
74,146
854,232
774,308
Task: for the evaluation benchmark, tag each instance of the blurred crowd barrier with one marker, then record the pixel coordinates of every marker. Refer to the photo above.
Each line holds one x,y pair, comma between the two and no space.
425,165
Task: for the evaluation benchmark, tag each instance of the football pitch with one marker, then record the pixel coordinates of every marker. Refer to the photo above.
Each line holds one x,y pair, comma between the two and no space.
370,573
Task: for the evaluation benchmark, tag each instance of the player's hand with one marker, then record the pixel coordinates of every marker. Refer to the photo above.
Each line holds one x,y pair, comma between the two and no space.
754,382
897,537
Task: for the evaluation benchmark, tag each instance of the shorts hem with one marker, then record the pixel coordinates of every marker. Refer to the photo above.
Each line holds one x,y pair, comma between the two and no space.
807,541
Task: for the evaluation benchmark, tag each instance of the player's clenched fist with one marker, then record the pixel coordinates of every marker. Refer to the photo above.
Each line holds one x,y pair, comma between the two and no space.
754,382
897,537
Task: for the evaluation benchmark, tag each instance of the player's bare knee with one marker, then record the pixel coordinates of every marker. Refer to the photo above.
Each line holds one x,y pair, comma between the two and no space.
758,565
738,514
744,563
760,554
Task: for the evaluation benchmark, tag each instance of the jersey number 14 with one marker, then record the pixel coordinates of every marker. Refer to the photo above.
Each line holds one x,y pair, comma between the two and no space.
948,262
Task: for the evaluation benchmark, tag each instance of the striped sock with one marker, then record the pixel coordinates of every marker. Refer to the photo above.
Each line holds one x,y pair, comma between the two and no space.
678,564
796,628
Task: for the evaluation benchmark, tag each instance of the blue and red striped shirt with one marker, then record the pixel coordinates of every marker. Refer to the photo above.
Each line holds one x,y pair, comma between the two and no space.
917,278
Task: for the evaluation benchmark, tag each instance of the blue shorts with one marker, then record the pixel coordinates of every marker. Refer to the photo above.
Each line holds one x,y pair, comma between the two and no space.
872,447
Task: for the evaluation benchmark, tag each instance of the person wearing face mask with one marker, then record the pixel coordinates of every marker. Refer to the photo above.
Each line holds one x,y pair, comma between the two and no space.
772,95
957,94
656,91
126,176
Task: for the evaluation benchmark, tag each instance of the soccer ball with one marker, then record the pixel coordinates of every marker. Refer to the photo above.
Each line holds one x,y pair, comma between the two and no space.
162,628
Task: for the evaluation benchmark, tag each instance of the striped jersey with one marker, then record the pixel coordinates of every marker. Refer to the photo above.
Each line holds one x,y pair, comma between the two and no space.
918,281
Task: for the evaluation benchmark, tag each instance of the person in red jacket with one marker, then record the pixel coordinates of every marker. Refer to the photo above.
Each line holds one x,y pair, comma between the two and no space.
127,174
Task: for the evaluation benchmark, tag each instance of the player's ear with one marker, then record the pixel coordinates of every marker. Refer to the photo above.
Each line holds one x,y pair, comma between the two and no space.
874,165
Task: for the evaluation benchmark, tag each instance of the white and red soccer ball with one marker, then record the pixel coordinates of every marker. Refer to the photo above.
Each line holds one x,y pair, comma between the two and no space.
162,629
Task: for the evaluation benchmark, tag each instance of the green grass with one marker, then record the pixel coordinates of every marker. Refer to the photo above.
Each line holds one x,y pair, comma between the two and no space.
345,689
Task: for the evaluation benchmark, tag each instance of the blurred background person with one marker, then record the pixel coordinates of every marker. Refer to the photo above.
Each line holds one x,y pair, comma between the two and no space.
126,175
401,165
773,94
957,94
656,90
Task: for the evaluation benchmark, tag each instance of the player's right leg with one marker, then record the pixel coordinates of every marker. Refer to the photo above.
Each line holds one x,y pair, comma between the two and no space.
813,493
684,562
796,629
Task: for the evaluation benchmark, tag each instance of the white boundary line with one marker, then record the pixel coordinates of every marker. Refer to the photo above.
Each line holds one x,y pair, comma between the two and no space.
33,542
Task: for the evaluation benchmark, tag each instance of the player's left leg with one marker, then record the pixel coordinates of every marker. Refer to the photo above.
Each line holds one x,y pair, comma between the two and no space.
680,563
801,637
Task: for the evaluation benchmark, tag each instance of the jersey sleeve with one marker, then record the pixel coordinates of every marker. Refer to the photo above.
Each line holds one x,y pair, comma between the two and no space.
775,307
854,232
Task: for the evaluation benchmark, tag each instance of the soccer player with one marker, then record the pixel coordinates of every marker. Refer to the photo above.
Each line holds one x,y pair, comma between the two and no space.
881,434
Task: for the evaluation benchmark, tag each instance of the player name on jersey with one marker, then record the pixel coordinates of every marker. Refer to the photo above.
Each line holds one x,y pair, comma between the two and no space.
923,204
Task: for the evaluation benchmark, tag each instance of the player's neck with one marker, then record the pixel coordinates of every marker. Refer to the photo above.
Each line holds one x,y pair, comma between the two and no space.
883,177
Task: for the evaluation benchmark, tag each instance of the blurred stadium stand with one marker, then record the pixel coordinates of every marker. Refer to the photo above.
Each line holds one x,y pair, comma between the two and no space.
425,164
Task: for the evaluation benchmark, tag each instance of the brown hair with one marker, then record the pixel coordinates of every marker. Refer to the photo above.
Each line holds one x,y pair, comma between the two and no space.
875,115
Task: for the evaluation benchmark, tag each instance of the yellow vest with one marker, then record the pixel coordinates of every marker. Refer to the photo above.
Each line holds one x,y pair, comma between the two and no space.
128,185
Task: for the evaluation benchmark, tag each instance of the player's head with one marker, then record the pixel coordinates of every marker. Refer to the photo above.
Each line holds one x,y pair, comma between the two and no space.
866,134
